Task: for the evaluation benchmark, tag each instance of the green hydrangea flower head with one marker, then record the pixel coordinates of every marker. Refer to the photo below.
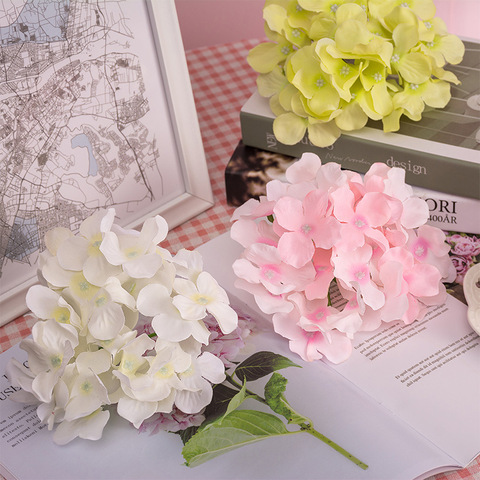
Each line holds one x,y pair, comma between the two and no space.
330,65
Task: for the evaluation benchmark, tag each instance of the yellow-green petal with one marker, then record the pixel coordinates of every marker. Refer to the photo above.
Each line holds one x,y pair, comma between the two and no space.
352,117
323,134
264,57
410,99
322,27
382,101
275,106
275,16
415,67
289,128
286,95
324,101
405,37
436,93
391,123
270,83
350,34
351,11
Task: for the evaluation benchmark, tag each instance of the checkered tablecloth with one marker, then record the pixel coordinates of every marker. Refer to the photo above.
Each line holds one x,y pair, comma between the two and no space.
221,81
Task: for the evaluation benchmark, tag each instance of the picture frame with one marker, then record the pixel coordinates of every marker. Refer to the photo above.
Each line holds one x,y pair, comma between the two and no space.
147,85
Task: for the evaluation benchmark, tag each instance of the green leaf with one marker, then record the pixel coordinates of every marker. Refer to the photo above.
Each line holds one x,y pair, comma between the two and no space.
187,434
240,427
221,398
237,400
277,402
261,364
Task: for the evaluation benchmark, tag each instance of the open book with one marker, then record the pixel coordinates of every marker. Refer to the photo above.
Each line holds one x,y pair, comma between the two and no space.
406,403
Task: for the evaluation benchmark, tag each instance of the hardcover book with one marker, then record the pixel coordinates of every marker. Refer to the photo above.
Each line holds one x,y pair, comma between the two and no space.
406,403
250,168
441,152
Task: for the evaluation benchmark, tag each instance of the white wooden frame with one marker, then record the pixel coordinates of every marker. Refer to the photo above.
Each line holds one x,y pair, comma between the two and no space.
197,195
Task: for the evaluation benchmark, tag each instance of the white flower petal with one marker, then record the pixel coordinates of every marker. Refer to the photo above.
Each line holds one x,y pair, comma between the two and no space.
110,247
134,411
55,237
211,367
118,294
88,428
55,274
153,299
154,230
97,270
189,309
172,327
98,362
225,315
143,267
106,322
194,401
207,285
72,253
42,301
185,287
91,225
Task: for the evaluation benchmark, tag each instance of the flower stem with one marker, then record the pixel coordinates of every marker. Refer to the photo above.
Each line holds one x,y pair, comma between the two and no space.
233,382
309,429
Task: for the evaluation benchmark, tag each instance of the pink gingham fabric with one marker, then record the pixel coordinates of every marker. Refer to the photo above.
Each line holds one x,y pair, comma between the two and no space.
221,82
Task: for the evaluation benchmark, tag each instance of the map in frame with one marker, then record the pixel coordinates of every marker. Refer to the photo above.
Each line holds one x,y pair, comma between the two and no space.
82,122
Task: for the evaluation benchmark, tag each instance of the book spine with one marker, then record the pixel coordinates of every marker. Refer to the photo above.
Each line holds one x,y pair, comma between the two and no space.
451,212
426,170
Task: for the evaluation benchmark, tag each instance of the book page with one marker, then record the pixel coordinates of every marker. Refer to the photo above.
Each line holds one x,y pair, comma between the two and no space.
338,409
427,373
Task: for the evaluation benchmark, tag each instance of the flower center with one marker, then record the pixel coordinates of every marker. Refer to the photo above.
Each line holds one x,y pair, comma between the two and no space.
430,44
269,272
345,70
202,299
420,249
285,50
61,315
306,228
378,77
55,361
395,58
359,222
404,4
414,86
86,387
296,32
334,8
320,83
165,371
428,25
100,301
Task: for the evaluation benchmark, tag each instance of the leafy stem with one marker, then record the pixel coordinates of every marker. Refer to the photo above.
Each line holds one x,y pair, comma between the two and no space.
229,427
250,394
309,429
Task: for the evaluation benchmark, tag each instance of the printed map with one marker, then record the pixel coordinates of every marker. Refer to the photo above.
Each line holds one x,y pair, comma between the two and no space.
73,130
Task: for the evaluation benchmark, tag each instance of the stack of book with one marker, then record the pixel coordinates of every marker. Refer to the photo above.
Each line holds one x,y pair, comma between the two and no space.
440,154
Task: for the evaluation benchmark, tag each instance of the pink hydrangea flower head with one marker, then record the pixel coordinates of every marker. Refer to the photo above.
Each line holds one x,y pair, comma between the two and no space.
306,226
309,333
334,228
324,274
